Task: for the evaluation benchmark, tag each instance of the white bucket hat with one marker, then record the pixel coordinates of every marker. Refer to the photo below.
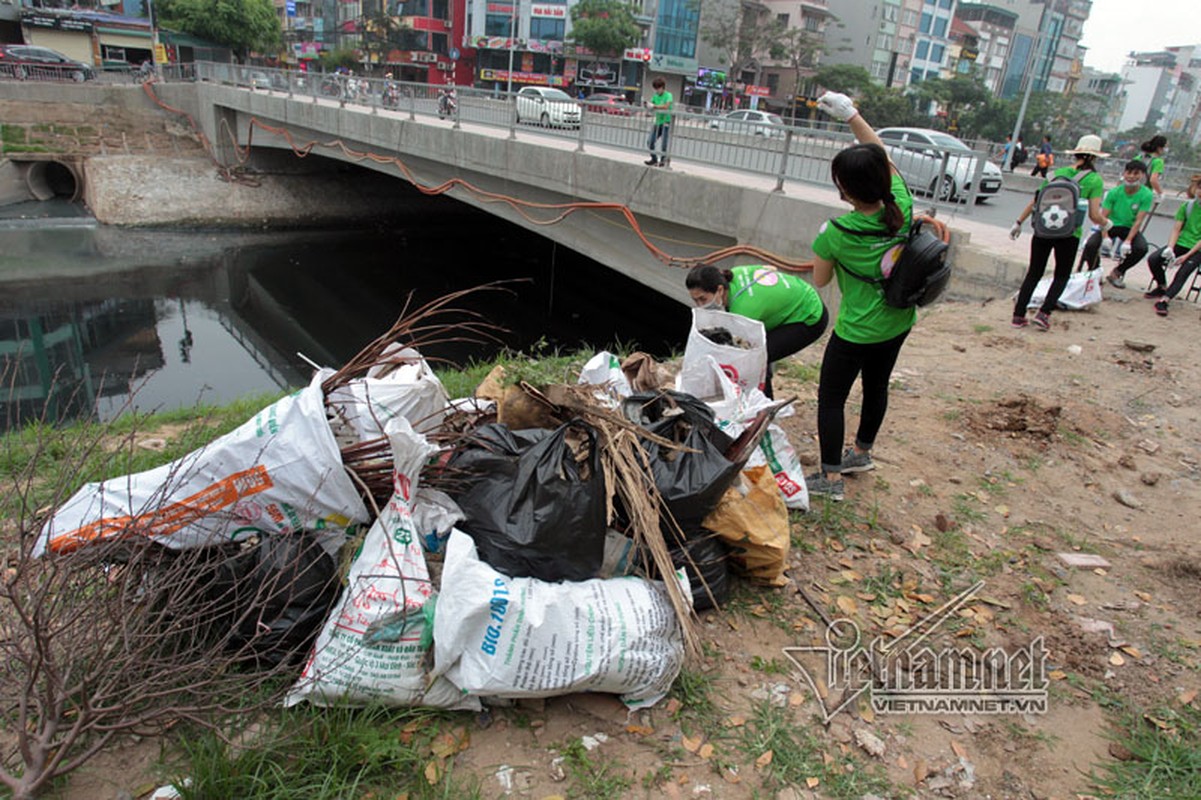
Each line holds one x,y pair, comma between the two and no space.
1089,145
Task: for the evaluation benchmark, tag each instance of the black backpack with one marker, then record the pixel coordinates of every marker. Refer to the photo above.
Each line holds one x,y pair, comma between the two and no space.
1058,210
921,273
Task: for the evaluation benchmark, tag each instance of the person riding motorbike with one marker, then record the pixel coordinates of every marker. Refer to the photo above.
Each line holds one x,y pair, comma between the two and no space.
446,102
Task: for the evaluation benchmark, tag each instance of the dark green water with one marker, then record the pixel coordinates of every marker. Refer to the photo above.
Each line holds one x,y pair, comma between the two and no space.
99,320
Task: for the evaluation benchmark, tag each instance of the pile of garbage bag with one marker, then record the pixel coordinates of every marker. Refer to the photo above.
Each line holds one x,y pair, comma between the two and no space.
525,542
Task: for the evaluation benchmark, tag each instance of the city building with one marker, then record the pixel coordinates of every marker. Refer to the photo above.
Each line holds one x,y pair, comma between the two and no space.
871,35
994,28
964,51
932,40
1100,93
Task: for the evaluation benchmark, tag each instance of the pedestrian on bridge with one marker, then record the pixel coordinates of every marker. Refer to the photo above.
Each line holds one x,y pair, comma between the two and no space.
661,102
791,310
858,249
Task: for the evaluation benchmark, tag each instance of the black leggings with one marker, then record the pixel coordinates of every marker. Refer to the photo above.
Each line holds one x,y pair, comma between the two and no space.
1183,272
1040,251
792,338
841,364
1092,247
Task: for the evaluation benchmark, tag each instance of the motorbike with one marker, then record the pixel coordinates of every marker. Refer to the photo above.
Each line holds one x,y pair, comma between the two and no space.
391,98
446,104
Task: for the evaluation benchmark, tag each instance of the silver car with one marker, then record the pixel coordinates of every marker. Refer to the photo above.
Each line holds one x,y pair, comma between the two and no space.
754,123
548,107
938,164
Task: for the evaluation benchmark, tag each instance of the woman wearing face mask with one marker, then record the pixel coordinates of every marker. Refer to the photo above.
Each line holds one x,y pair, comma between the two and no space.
1153,151
790,309
855,249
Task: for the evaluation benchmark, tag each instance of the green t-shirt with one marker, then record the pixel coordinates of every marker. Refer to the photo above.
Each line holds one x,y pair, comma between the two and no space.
863,316
1154,164
1091,186
662,117
774,298
1190,234
1124,206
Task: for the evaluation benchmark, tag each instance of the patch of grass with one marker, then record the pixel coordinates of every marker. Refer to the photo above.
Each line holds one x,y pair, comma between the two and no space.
950,548
952,415
886,583
1034,596
592,776
798,371
1165,757
319,753
798,754
965,510
981,328
747,600
539,366
694,690
1070,436
1033,463
1016,731
770,666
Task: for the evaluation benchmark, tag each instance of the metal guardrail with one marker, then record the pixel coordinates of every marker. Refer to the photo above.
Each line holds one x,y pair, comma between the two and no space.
782,152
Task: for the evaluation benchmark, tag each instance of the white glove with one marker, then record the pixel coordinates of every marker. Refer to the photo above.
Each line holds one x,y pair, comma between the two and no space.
837,105
1158,198
1123,250
1107,224
1015,231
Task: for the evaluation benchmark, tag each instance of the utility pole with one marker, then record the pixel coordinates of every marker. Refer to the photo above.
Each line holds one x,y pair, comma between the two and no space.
512,43
153,32
1017,128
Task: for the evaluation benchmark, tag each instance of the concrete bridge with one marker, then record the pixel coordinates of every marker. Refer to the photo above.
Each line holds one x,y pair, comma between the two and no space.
689,210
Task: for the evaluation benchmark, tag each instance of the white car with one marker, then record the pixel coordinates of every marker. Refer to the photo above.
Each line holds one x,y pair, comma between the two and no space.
938,164
754,123
548,107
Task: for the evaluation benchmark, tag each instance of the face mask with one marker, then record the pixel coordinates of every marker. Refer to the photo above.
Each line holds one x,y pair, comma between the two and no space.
715,305
1133,181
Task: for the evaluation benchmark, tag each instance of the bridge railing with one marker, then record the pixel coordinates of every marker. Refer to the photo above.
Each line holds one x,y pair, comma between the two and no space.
783,152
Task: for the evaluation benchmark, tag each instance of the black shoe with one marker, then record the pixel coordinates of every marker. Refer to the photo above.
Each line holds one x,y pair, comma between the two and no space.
1158,291
665,162
652,162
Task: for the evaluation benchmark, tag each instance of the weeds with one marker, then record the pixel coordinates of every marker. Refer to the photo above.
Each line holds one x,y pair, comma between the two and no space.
1164,757
694,689
595,779
798,755
318,753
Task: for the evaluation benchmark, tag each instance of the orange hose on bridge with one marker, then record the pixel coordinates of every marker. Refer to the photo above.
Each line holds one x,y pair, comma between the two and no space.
564,210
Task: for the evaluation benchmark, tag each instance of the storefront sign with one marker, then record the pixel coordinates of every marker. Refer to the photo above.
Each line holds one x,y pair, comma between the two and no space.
536,78
58,23
674,64
758,91
498,8
557,12
419,57
637,54
492,42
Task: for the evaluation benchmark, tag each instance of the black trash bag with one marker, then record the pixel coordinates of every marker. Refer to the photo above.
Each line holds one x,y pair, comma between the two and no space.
705,559
534,508
692,484
276,595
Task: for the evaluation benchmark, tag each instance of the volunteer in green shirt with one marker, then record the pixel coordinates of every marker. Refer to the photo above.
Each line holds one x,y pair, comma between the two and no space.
1086,152
1152,155
661,101
868,335
1185,246
1126,206
790,309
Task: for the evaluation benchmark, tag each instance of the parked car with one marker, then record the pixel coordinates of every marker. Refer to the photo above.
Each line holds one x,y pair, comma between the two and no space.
23,61
259,80
754,123
919,154
548,107
609,104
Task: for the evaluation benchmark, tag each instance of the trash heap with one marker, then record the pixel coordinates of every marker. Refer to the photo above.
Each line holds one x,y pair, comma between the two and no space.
523,542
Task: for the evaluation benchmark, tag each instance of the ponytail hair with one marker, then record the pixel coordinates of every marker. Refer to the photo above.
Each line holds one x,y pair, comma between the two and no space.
1156,142
863,171
708,278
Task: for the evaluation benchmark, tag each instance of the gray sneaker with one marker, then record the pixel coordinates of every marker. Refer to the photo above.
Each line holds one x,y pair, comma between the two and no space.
856,462
820,485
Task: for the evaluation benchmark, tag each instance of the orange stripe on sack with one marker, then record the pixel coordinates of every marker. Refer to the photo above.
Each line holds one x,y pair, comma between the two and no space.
168,519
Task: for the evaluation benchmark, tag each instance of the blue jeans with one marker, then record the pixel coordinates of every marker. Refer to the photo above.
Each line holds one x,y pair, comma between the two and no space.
660,132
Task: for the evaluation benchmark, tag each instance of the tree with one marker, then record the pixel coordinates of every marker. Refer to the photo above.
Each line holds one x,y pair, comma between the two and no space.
740,33
848,78
240,25
604,27
797,47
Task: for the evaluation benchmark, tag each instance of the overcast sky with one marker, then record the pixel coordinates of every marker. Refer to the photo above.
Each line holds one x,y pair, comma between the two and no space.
1115,27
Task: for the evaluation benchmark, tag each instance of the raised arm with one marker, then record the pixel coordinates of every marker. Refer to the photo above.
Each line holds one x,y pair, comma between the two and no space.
841,107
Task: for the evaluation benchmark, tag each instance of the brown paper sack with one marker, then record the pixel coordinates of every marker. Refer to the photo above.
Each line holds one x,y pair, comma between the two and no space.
753,520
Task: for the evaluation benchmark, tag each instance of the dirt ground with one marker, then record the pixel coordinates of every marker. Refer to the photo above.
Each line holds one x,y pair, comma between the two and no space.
1002,449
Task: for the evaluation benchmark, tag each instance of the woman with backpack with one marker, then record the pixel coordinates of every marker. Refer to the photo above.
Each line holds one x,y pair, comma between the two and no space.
1184,245
856,249
1065,241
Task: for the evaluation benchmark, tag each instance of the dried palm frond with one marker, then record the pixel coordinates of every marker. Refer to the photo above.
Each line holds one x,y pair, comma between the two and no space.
437,322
